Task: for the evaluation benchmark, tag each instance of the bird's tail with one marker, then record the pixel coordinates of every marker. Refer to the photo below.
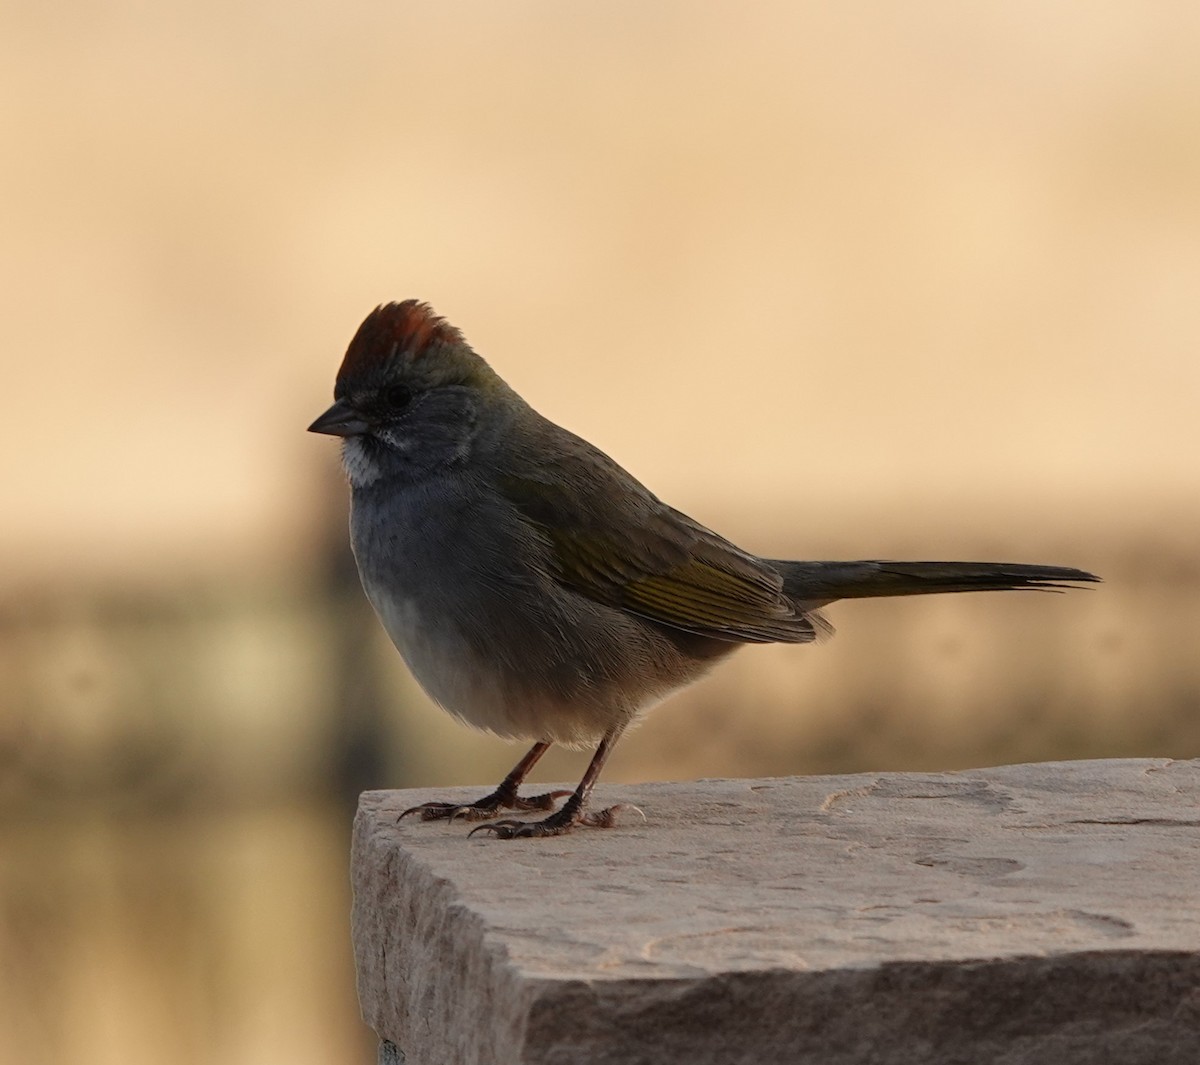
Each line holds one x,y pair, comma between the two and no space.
812,584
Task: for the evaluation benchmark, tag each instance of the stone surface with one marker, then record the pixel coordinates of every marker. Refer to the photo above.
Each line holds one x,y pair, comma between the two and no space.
1038,913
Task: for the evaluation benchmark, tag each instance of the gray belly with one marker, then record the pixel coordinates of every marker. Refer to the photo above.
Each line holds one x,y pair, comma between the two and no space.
492,637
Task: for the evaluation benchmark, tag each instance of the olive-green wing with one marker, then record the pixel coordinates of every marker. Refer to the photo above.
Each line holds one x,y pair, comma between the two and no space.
649,559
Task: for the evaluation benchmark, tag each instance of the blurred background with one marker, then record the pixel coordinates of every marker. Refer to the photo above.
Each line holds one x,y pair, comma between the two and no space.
895,280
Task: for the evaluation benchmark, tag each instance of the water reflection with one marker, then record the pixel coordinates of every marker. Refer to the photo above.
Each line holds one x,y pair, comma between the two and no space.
198,936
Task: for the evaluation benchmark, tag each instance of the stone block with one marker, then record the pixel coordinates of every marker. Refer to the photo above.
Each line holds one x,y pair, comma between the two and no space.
1038,913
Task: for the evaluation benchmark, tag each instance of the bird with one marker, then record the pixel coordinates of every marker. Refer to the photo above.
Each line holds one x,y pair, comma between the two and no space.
535,589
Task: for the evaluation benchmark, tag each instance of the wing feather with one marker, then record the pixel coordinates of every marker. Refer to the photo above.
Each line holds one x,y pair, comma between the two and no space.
649,559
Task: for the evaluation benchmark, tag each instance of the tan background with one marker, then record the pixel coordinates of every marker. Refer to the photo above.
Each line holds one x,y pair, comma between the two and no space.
890,280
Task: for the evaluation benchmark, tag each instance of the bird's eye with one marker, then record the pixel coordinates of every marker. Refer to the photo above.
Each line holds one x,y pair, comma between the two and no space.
397,397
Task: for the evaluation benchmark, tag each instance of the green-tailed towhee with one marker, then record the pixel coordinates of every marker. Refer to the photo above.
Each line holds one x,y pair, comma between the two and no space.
535,589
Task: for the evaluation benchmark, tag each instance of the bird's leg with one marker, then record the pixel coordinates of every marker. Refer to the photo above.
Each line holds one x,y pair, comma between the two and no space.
572,812
505,797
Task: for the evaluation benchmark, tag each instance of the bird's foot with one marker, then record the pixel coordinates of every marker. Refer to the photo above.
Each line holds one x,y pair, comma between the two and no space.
557,824
482,809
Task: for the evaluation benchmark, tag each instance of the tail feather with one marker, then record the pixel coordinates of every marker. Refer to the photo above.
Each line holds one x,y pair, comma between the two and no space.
813,584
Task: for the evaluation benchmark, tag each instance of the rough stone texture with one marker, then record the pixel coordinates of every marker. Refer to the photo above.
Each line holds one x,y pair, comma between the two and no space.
1038,913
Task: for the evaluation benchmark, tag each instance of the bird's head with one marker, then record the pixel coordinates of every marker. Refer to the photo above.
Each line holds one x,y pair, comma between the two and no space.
409,395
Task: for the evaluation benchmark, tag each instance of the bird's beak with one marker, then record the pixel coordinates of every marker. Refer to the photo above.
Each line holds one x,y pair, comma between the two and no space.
340,420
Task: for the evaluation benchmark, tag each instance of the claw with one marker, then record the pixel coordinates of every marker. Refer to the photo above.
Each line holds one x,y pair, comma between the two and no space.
545,801
483,808
466,813
506,829
448,811
555,825
607,818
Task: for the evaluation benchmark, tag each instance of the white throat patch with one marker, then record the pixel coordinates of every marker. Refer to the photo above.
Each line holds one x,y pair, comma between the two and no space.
360,468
